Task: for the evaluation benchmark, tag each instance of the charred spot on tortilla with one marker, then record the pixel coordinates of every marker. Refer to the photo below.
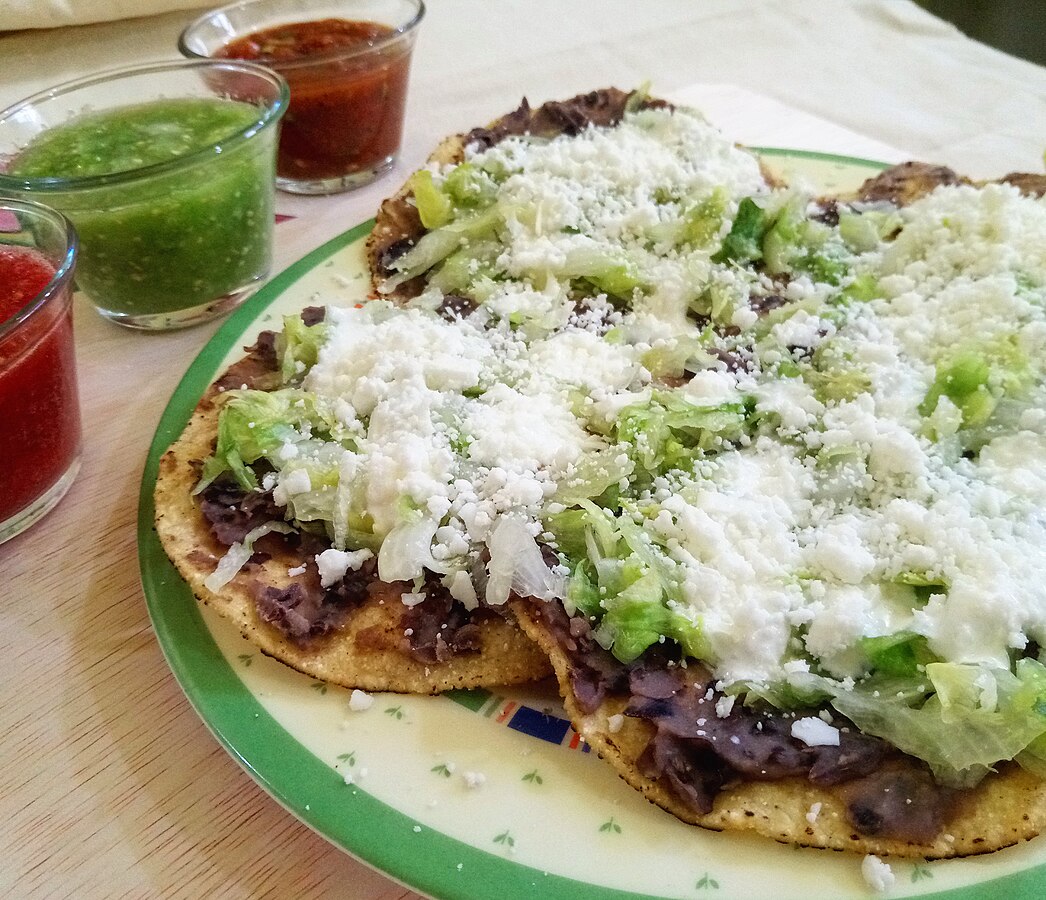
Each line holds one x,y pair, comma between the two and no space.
906,182
1031,184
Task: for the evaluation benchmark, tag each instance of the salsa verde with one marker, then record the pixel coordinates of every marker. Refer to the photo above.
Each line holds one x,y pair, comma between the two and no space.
157,238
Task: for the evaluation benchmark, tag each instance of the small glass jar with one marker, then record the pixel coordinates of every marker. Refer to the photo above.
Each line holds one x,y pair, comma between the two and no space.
39,401
347,64
167,172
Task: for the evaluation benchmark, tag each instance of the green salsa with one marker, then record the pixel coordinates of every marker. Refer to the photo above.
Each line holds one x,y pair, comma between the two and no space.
154,242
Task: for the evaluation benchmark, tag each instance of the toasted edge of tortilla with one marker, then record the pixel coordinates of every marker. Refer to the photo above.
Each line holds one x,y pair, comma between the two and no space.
1003,810
397,218
366,651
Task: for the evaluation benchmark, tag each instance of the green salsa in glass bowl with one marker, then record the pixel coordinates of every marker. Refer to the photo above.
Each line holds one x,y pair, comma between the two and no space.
168,173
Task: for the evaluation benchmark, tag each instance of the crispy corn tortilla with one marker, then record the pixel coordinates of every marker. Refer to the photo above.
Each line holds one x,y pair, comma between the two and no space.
398,220
1005,809
367,652
397,223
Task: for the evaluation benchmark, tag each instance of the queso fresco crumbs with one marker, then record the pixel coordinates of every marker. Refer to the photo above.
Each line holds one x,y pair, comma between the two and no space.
803,442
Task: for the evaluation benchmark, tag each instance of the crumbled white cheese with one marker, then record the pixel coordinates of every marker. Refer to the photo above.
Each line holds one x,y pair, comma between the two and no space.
474,780
815,732
371,354
877,874
532,431
801,535
360,701
724,705
334,564
609,181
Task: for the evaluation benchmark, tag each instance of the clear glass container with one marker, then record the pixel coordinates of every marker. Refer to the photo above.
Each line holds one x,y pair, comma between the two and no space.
167,172
39,402
347,64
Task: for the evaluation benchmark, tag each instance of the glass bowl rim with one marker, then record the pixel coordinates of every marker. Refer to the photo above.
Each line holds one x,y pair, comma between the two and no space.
63,273
338,53
270,115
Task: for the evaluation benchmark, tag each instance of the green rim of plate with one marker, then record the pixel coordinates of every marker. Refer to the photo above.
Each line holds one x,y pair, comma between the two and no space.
363,826
823,157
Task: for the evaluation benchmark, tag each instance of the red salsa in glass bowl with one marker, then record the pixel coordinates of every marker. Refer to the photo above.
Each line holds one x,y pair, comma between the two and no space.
24,272
39,402
347,77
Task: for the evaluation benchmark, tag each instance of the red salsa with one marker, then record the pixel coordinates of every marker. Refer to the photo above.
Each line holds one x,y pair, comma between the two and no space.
39,407
346,110
24,272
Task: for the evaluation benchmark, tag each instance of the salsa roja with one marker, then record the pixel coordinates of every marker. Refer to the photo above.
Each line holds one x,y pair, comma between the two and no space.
39,406
346,107
300,39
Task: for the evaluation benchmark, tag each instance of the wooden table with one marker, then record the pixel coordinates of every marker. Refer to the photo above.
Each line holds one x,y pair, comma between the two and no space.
110,785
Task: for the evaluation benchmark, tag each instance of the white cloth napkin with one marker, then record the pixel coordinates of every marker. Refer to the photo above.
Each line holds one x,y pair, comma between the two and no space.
20,14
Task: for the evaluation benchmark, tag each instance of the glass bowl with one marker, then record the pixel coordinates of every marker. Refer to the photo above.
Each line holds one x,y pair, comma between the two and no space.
347,64
39,402
167,172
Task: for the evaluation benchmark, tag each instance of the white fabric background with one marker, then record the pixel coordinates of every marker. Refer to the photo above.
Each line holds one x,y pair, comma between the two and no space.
55,13
885,69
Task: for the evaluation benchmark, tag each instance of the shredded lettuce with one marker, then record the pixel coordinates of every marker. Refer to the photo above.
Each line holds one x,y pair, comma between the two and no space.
470,187
796,243
976,379
298,347
964,381
434,206
669,431
594,474
256,425
800,690
835,376
625,581
976,717
744,242
900,654
517,565
702,222
329,500
961,719
861,289
459,272
671,359
436,245
406,551
239,553
864,230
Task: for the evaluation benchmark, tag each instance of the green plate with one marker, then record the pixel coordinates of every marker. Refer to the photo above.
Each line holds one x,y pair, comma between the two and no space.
478,794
